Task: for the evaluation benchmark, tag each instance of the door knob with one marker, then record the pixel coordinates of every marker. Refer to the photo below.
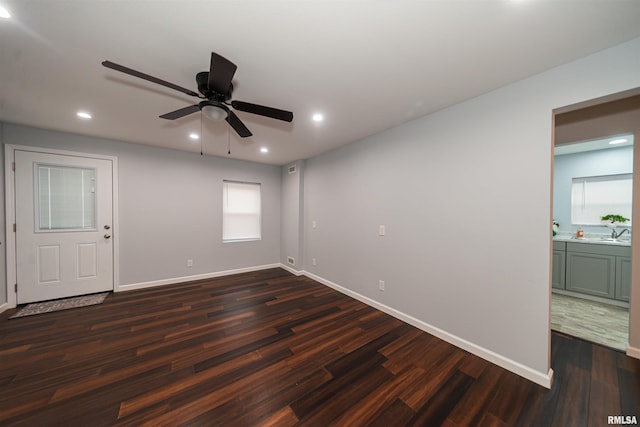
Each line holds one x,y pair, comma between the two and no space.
107,236
106,227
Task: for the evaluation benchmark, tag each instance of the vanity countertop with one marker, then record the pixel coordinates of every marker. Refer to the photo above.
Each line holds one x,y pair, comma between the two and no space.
593,240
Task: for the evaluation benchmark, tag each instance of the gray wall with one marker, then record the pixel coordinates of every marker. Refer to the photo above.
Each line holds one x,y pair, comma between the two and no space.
291,211
465,195
592,163
170,206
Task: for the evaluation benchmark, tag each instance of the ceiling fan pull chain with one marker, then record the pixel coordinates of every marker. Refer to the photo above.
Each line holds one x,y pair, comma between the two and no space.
229,141
201,134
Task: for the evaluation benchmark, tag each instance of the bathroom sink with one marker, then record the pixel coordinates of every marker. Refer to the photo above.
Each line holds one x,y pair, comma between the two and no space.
610,240
607,240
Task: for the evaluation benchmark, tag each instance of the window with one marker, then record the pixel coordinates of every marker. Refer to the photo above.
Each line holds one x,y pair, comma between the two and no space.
66,198
241,211
595,196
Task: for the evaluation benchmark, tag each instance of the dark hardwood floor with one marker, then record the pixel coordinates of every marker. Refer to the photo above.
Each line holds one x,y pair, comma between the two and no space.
270,348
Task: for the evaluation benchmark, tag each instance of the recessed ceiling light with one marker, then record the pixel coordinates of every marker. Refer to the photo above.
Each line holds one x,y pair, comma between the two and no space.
618,141
318,117
264,150
83,115
4,13
194,136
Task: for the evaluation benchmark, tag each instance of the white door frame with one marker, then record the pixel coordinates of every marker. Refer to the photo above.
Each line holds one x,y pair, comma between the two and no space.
10,212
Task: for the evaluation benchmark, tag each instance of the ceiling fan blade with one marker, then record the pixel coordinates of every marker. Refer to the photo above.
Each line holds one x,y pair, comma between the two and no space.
221,72
147,77
261,110
237,125
181,112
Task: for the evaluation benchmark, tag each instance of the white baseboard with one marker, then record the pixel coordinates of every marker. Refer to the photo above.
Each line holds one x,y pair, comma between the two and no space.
537,377
175,280
291,270
4,307
633,352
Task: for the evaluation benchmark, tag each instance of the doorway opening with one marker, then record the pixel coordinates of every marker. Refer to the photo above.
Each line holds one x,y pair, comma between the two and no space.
591,256
593,180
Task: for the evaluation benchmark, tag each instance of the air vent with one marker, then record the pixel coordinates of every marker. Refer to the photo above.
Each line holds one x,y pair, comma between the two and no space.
292,169
291,260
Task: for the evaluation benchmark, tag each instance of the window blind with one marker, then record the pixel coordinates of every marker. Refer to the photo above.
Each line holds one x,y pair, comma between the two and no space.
595,196
66,198
241,211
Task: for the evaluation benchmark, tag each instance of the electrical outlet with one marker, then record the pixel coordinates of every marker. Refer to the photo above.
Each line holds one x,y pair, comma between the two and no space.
313,261
381,285
382,230
189,263
313,224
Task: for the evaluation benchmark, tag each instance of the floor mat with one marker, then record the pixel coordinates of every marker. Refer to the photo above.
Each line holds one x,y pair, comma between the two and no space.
60,304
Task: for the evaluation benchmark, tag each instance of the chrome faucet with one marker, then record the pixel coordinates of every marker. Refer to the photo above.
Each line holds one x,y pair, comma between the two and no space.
615,235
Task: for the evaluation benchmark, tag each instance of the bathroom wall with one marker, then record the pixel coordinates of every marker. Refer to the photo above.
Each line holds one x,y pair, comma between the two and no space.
591,163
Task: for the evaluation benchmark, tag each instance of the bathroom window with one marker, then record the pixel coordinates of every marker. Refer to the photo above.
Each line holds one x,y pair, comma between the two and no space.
595,196
241,211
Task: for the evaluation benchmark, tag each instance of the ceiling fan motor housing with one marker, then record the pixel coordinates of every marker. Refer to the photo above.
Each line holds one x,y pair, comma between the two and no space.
202,80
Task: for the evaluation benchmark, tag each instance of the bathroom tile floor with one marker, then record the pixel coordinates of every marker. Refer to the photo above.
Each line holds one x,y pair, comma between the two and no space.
596,322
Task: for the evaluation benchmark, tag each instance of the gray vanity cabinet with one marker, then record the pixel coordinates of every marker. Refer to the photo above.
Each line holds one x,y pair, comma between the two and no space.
559,263
623,278
591,274
600,270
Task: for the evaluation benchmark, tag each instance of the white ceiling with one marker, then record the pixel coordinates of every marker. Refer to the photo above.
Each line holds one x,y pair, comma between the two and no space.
367,65
594,144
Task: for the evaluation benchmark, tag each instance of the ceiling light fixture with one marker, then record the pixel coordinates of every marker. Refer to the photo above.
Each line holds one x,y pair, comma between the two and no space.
264,150
83,115
194,136
318,117
618,141
4,13
214,112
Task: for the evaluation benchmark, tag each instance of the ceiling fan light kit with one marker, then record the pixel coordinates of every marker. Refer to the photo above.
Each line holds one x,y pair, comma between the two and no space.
213,111
216,90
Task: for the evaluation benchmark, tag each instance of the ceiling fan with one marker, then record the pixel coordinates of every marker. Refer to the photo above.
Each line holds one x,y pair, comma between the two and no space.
215,89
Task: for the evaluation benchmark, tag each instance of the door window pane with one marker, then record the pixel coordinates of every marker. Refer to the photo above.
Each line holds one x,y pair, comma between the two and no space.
66,198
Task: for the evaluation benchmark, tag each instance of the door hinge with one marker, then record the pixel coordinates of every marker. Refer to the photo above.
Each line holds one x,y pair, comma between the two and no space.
13,166
15,228
15,288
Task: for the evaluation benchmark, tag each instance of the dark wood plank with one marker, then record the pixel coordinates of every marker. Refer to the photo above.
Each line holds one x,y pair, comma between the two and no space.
397,414
629,391
469,410
604,399
270,348
438,408
572,408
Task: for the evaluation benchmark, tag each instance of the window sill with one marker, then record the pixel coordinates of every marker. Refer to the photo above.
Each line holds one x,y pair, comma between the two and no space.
242,240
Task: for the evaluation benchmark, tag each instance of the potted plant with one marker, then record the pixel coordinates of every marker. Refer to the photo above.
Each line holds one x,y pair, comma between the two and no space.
613,220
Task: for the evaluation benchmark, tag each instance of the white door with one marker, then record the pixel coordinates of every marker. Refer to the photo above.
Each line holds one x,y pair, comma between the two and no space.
63,225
